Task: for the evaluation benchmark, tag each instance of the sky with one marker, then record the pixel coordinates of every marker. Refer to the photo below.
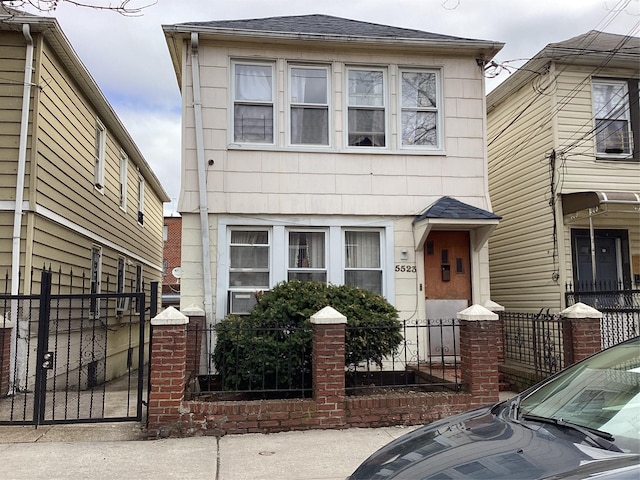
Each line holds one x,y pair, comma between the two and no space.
129,60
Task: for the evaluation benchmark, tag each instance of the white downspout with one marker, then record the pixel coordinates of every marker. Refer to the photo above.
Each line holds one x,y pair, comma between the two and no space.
17,371
202,182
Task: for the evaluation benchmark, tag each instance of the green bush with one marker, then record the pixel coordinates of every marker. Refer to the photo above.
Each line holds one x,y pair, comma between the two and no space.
271,347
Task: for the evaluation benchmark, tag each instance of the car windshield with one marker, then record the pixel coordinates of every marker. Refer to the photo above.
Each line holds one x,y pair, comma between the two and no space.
600,393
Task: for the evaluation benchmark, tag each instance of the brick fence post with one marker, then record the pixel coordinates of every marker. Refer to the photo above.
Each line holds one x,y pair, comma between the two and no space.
5,354
479,353
581,332
168,371
196,338
328,352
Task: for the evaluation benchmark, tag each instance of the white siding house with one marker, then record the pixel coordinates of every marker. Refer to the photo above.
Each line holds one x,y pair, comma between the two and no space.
321,148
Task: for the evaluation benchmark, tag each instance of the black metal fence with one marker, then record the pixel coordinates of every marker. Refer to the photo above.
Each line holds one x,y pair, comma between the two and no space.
534,341
70,357
275,362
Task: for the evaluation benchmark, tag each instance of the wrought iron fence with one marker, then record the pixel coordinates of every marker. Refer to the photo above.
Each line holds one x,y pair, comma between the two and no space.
427,359
534,341
251,362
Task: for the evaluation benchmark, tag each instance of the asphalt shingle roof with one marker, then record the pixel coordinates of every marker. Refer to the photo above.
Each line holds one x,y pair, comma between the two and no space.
325,25
448,207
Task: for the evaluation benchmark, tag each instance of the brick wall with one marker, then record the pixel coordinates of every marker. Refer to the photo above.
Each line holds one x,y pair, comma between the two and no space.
171,415
172,253
5,357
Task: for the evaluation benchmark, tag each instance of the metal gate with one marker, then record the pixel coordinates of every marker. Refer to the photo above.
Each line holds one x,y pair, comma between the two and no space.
74,357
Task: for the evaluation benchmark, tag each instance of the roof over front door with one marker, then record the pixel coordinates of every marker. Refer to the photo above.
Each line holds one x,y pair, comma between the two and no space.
448,213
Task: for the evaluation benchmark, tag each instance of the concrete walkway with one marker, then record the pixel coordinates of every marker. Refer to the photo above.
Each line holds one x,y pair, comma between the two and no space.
74,452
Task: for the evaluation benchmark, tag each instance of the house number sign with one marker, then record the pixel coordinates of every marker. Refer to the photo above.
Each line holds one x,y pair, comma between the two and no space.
405,268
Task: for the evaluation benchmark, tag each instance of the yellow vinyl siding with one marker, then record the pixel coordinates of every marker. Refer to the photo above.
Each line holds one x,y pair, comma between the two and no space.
521,247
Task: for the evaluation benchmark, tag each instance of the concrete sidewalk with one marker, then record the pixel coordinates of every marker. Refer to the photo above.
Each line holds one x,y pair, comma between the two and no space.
99,452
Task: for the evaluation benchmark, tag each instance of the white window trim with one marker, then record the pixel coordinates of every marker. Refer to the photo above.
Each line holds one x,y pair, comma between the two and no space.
439,111
124,167
385,107
329,107
99,156
627,118
334,243
273,103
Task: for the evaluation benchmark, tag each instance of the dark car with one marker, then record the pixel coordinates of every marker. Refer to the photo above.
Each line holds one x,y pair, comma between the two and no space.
583,422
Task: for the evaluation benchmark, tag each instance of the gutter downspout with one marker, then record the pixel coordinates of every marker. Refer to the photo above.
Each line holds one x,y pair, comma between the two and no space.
202,185
19,330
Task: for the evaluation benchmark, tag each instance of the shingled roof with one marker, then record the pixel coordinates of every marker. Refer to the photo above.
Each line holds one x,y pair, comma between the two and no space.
324,25
448,207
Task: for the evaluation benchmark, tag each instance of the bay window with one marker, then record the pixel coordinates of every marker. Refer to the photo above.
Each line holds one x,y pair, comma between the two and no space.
419,105
253,106
362,263
309,105
366,107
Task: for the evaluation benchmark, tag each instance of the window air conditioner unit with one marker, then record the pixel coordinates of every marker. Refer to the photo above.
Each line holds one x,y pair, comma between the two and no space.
122,304
241,302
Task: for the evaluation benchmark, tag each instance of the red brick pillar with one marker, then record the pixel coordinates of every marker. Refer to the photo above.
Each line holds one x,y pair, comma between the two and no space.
329,327
168,372
480,343
581,332
196,338
5,355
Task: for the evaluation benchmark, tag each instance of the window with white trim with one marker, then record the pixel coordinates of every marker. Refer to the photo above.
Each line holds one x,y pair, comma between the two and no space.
99,155
94,284
612,118
366,107
249,259
419,103
362,259
253,103
307,256
140,199
124,163
309,105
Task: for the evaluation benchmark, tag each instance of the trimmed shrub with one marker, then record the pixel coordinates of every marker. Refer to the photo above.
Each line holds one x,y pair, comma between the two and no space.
271,347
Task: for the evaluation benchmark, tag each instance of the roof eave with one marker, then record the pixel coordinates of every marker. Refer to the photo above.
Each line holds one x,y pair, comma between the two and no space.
50,29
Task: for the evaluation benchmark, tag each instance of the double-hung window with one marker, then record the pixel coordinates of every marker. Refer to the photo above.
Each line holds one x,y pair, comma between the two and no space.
612,118
366,107
253,104
249,259
124,162
99,155
307,256
419,94
309,104
362,260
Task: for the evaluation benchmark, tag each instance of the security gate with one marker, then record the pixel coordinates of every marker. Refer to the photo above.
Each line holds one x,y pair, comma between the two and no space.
72,358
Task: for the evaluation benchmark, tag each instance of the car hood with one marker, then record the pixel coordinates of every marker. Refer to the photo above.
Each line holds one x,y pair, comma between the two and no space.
486,443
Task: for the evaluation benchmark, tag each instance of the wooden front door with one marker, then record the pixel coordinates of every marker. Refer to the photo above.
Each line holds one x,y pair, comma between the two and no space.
447,266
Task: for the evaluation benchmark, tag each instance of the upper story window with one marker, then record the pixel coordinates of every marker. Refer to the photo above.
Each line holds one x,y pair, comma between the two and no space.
124,162
612,114
140,199
309,105
366,107
253,104
99,155
420,108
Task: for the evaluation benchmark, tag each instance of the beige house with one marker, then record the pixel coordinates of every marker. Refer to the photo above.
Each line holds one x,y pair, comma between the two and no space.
564,173
76,194
322,148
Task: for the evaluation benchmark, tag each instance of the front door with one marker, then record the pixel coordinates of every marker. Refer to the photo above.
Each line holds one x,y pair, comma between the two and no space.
447,278
611,259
